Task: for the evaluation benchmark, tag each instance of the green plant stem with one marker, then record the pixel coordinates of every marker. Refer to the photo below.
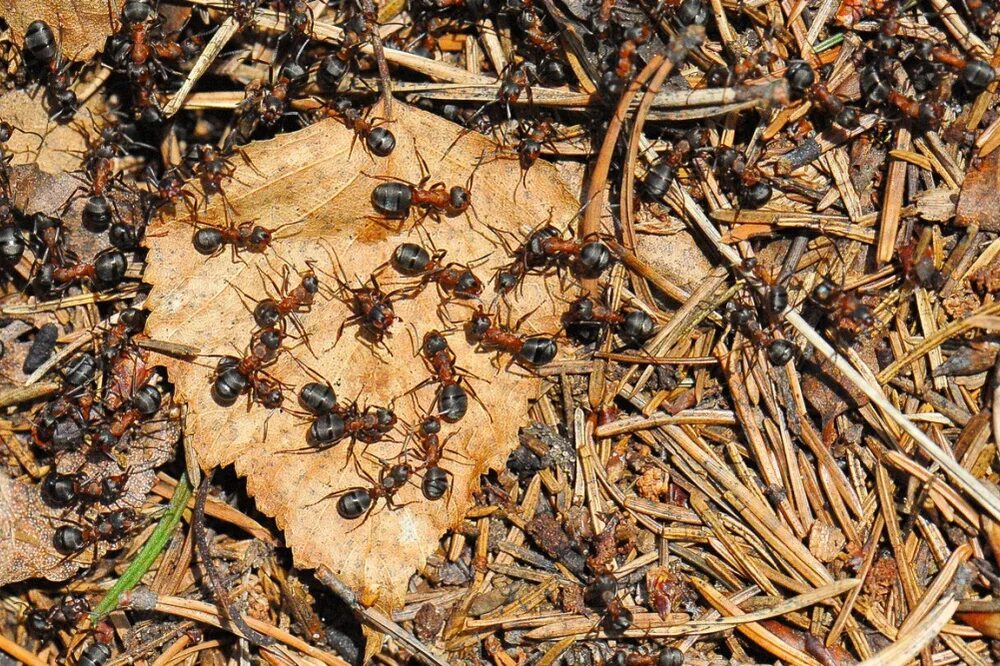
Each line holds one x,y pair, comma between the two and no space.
150,550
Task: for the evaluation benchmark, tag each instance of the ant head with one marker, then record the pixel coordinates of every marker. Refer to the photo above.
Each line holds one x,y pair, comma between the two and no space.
459,198
430,426
434,343
468,284
260,236
479,324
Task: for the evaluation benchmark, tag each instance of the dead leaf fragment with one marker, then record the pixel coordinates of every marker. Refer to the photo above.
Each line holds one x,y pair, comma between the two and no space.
979,200
826,541
320,180
54,148
80,26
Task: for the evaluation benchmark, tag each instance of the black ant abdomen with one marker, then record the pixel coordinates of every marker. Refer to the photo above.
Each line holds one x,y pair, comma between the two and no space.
800,76
781,351
11,245
380,141
435,483
332,70
96,654
60,490
81,370
68,539
40,42
354,503
229,385
392,199
96,214
453,402
410,259
327,429
207,240
755,195
657,180
538,350
637,327
594,258
147,400
317,398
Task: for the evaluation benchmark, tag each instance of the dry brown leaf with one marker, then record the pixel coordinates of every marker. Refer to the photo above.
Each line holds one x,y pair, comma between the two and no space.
52,147
27,524
80,26
315,179
979,200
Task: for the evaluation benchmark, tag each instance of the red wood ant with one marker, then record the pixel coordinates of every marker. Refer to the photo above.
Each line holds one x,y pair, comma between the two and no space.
602,593
779,350
211,167
170,189
62,490
848,315
668,656
454,280
531,351
372,307
59,617
393,199
335,421
379,141
802,80
452,398
546,248
238,376
42,51
634,326
249,236
110,526
358,501
106,271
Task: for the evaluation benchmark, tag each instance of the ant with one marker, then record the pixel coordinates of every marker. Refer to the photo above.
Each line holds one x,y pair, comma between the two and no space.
532,351
170,189
146,402
393,199
779,350
849,316
546,248
668,656
266,102
110,526
453,279
372,308
452,399
752,191
40,45
210,241
378,140
623,60
657,180
335,421
62,490
243,11
634,326
106,271
334,67
602,593
802,80
60,616
358,501
238,376
211,167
